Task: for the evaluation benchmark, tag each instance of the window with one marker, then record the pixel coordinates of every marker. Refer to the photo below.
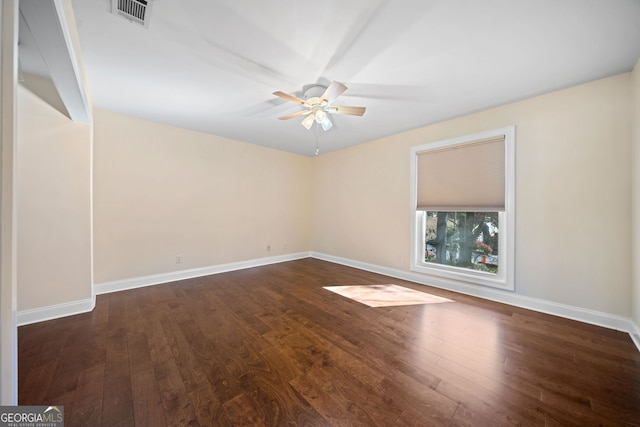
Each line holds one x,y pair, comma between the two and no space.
462,239
462,220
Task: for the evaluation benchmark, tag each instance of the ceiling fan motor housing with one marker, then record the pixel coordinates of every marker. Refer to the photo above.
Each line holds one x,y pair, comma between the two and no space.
313,91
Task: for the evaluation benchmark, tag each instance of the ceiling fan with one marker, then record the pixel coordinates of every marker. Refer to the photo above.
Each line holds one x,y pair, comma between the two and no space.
318,101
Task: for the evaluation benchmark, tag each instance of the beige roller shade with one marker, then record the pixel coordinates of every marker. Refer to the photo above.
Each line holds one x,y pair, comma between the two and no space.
464,177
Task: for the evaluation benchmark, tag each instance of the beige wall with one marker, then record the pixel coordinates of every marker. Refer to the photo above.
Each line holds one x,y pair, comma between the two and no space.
53,205
573,177
162,191
635,75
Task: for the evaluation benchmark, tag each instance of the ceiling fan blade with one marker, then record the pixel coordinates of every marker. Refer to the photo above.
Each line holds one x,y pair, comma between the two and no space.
288,97
296,114
334,90
351,111
308,121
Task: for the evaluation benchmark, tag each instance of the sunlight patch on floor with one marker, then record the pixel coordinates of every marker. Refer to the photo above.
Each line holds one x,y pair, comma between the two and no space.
385,295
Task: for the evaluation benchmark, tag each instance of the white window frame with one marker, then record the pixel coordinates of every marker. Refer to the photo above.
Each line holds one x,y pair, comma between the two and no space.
504,278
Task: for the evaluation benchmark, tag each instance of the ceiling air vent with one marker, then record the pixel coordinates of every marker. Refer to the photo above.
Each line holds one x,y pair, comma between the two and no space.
137,11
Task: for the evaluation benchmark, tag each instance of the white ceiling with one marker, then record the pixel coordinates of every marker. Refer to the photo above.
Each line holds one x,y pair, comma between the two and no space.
212,65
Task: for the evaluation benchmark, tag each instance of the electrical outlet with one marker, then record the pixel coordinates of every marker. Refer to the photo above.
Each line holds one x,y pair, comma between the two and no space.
178,259
268,248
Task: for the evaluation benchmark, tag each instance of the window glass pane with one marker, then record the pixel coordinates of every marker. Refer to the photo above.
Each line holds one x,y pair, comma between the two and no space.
462,239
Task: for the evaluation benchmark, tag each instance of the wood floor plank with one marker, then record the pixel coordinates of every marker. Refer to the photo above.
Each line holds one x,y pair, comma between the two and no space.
177,406
138,351
295,407
157,343
85,416
117,404
482,407
90,388
270,346
88,403
192,374
147,404
208,407
327,400
34,387
242,413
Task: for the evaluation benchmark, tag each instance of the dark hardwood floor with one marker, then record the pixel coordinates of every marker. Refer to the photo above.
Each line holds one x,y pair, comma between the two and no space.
269,346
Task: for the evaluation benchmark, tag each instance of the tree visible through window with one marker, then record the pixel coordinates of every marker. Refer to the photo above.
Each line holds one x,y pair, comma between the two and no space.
462,239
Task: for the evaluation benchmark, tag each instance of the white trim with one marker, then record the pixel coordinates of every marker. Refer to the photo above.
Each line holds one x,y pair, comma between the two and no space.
635,334
41,314
48,23
83,111
91,216
593,317
155,279
506,274
8,162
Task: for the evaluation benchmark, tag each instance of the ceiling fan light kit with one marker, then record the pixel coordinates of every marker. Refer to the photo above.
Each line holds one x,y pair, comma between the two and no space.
318,100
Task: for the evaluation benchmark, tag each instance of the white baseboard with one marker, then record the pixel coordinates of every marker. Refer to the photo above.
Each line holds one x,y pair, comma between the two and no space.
571,312
41,314
635,334
138,282
593,317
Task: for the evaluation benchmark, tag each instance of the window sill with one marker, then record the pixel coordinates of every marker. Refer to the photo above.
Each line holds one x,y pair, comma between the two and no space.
464,275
